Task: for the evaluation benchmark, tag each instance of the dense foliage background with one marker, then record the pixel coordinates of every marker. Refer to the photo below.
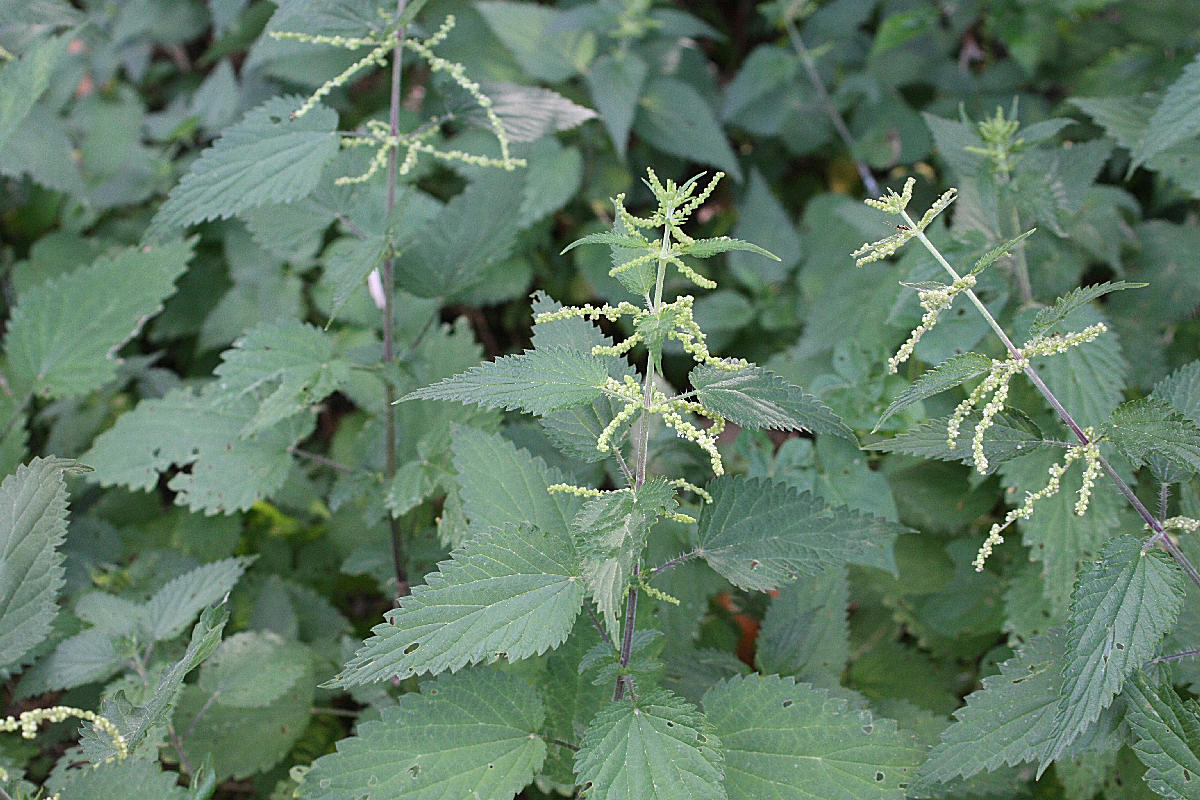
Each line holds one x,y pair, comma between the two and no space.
141,311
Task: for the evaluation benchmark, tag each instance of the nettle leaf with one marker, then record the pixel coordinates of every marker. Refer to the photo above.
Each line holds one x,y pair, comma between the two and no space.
252,669
86,657
1121,609
1182,390
25,79
758,398
791,741
474,734
950,373
656,746
129,779
761,534
615,82
805,632
266,158
542,44
175,605
707,248
287,365
503,487
1168,735
999,251
1176,118
1001,442
228,472
1010,720
512,593
1089,379
452,252
64,334
632,240
135,722
1047,318
536,381
244,741
610,533
33,524
1146,427
674,117
528,113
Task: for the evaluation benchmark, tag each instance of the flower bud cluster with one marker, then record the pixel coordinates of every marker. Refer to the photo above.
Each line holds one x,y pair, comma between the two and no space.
29,721
996,384
934,301
379,133
1185,524
893,203
1090,453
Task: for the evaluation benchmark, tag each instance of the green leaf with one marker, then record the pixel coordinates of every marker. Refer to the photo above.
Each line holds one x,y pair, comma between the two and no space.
791,741
1176,118
1182,390
252,669
673,117
946,375
707,248
805,631
1120,611
615,82
1049,317
528,113
135,722
1001,442
64,334
129,779
228,472
266,158
763,218
1056,536
287,366
760,534
244,741
632,241
1124,118
174,606
999,251
86,657
654,747
1146,427
1010,720
610,533
469,735
542,44
33,524
754,397
452,252
512,593
537,381
1089,379
504,487
25,79
1167,732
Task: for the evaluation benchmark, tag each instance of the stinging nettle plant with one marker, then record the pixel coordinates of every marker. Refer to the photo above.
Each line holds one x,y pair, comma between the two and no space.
549,548
1123,605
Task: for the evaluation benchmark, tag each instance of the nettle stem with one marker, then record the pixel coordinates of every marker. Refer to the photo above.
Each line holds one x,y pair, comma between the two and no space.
1160,537
641,458
388,279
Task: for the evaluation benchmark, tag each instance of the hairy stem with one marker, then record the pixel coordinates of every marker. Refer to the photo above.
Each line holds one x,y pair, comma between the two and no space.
1159,537
641,457
388,276
587,604
835,116
673,562
1024,287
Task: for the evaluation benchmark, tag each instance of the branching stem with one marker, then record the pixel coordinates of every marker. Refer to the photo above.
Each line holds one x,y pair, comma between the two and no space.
388,276
1159,537
674,562
835,116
